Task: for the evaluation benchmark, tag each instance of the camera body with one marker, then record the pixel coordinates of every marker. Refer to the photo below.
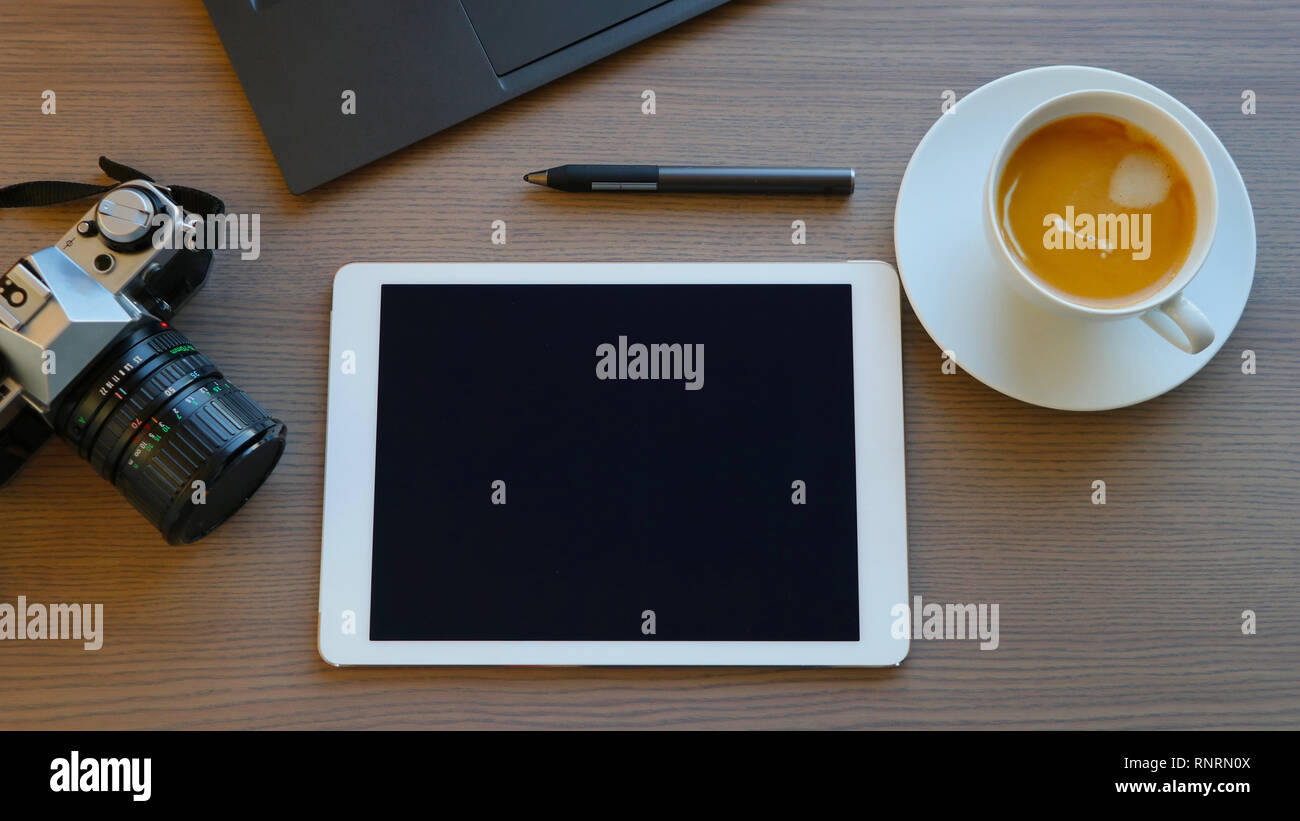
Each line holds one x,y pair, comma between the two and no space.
61,306
86,346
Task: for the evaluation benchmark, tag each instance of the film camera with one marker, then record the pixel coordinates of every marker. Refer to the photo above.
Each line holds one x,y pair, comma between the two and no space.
87,351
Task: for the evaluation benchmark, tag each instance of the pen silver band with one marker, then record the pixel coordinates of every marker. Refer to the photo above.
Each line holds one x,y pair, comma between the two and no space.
775,180
625,186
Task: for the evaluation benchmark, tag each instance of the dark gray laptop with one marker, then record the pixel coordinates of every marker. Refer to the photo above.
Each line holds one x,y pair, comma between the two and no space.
414,66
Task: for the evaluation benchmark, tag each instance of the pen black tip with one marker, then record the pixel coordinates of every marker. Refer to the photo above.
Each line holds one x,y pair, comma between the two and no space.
536,178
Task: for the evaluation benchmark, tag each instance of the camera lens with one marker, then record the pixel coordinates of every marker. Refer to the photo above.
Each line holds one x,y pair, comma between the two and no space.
157,419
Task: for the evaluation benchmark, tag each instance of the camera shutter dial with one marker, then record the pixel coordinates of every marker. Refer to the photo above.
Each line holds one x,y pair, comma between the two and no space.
124,215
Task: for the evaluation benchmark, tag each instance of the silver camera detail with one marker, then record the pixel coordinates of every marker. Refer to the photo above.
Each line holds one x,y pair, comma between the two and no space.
61,306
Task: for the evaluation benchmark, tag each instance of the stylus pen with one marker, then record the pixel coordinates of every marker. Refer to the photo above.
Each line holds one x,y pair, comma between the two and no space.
696,179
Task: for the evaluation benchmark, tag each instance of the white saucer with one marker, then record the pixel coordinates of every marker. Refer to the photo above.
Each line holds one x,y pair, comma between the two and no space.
952,280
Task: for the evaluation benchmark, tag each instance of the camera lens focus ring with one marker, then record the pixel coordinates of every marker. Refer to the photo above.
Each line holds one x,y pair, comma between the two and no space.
141,405
94,399
176,464
156,417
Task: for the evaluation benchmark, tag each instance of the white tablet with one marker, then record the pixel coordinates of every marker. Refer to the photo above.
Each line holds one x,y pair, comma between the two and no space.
614,464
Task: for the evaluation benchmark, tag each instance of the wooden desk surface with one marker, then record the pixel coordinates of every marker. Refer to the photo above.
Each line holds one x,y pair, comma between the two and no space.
1122,616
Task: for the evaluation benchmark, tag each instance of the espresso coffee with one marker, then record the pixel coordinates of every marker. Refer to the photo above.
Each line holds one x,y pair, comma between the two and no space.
1097,209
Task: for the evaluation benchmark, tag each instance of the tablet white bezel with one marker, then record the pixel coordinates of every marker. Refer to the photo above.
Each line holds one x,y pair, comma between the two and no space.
350,463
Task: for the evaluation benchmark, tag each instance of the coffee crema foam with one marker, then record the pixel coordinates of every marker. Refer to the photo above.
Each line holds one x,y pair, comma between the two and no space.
1097,209
1141,180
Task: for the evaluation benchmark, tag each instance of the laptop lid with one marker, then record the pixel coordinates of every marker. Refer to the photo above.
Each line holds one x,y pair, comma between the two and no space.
336,84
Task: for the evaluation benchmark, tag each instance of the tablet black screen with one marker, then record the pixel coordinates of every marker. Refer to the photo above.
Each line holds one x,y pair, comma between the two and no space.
550,467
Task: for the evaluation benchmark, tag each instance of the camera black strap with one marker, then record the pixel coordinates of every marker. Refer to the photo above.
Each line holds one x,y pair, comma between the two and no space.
28,430
54,192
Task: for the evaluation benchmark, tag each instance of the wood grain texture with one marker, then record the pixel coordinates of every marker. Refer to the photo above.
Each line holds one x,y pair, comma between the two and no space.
1121,616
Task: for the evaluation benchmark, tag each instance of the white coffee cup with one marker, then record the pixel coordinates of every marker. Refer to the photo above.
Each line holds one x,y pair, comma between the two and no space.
1168,312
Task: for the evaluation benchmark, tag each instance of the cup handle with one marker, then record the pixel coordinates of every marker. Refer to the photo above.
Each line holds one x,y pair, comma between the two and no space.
1182,324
